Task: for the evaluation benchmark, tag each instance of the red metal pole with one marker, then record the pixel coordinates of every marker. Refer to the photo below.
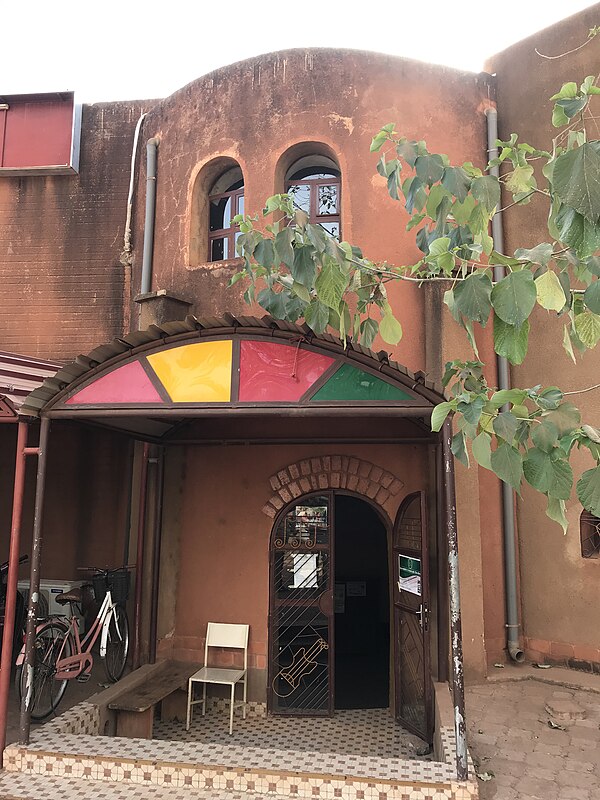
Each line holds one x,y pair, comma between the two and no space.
11,585
139,562
34,582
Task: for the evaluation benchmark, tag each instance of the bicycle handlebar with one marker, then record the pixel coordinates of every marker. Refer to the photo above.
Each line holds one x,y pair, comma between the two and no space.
106,570
22,560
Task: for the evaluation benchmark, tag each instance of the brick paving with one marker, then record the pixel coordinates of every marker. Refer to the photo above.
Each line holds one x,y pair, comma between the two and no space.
510,736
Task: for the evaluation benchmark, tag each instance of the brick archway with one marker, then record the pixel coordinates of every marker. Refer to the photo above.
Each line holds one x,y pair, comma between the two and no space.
330,472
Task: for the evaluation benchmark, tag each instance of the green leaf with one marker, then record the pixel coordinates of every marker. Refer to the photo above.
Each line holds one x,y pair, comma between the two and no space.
550,294
486,189
429,169
457,182
390,329
550,398
459,448
507,463
520,180
439,246
264,254
561,480
436,195
482,450
588,490
587,326
331,284
304,268
462,211
577,180
556,512
567,344
274,303
541,254
566,418
576,231
439,414
559,118
316,316
317,237
378,141
472,297
545,435
591,297
301,291
509,341
572,106
368,331
472,411
283,246
504,396
505,426
537,468
513,298
567,90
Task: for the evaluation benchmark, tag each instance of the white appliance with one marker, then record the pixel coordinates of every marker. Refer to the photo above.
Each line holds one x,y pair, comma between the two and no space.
48,591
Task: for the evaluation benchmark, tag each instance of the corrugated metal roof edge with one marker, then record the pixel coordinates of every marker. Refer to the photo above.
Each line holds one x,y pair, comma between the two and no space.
128,344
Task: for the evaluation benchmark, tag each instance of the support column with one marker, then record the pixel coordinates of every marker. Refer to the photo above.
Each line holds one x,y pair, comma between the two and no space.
139,562
34,583
159,461
11,584
458,686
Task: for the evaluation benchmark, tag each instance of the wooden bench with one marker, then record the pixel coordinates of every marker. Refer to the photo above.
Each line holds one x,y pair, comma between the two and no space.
135,708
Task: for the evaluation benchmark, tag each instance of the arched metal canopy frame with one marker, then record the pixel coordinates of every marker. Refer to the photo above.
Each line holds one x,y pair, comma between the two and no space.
50,401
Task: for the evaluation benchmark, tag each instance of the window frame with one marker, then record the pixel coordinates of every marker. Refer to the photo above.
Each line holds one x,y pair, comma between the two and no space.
589,535
230,234
314,217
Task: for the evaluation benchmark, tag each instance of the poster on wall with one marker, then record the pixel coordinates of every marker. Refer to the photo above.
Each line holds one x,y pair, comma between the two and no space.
356,589
409,570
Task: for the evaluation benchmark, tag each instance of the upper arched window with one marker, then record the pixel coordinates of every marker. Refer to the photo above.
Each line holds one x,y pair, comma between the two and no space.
314,182
226,199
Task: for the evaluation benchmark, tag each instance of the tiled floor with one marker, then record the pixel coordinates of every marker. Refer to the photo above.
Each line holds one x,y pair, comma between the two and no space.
366,733
21,786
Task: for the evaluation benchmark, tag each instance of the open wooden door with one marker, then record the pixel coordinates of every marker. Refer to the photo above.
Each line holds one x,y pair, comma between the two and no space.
411,617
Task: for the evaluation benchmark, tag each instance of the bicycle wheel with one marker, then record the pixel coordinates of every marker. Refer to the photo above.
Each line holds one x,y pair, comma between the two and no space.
117,644
51,639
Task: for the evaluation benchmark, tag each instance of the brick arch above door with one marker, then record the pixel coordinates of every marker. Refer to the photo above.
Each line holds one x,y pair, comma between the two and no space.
330,472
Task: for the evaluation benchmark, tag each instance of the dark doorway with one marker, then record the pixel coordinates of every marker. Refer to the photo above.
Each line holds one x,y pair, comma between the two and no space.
361,605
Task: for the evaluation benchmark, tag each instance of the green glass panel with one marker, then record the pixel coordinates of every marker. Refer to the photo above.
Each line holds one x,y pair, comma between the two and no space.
350,383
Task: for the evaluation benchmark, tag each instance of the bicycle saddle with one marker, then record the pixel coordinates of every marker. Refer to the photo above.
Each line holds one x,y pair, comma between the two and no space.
74,596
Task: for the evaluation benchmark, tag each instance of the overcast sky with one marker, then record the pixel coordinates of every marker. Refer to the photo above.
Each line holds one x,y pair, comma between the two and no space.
126,49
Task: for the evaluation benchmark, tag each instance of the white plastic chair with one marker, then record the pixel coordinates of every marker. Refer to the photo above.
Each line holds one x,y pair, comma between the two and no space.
220,634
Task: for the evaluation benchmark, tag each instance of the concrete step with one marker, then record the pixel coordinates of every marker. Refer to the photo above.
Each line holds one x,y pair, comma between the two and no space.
24,786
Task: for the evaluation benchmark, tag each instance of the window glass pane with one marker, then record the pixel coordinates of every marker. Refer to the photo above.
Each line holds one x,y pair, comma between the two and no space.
300,194
305,525
240,204
220,214
328,200
219,249
331,227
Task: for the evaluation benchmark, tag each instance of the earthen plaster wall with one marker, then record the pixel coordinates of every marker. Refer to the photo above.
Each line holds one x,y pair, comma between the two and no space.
559,587
62,287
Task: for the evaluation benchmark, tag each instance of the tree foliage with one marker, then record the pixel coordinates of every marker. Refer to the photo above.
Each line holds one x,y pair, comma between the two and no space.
298,270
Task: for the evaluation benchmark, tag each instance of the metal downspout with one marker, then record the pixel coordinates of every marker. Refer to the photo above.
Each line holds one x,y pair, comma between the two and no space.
11,585
34,583
151,160
508,504
139,562
159,470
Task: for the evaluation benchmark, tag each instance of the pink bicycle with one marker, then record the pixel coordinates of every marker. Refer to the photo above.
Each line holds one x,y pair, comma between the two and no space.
60,654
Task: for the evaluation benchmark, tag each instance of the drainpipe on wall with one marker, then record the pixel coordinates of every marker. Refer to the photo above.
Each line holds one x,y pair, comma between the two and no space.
151,159
508,505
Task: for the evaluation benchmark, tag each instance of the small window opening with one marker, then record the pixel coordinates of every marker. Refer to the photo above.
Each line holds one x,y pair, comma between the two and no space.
313,182
226,200
589,528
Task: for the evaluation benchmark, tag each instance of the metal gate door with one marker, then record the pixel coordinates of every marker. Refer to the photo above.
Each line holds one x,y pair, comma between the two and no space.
301,608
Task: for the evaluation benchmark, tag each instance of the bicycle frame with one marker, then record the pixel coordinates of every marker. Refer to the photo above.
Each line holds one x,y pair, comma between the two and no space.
82,660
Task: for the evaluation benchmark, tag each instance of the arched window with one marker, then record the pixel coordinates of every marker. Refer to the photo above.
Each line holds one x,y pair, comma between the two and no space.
589,531
226,199
314,183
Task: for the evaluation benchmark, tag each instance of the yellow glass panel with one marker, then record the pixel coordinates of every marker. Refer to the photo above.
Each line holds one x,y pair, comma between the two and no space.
195,373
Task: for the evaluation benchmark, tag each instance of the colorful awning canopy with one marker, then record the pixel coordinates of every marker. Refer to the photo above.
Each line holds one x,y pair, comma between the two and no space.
234,370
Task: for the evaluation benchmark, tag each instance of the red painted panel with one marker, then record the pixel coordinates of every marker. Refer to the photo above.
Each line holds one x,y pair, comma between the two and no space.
273,372
38,132
127,384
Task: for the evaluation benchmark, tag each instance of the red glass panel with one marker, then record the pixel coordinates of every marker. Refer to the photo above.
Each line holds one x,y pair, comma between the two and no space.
127,384
272,372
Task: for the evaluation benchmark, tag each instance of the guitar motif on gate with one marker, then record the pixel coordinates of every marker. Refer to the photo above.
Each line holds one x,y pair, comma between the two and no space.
303,663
